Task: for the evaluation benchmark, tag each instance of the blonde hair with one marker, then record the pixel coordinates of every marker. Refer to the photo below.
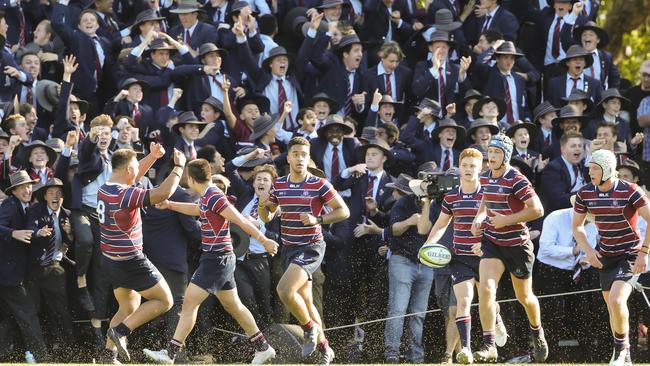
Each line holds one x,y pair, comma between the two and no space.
102,120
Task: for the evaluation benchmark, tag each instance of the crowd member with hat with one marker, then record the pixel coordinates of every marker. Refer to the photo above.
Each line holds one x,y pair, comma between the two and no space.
576,61
187,130
331,151
580,100
38,161
34,132
629,171
323,106
404,266
503,184
278,79
308,121
126,136
448,134
145,22
481,132
200,81
156,65
264,132
129,102
219,119
543,116
338,70
420,126
93,52
521,134
501,81
383,109
564,175
70,112
191,31
465,113
620,254
608,109
404,158
569,119
390,76
15,238
46,281
492,110
438,78
594,39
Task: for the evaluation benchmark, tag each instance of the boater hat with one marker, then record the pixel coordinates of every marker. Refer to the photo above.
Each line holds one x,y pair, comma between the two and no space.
19,178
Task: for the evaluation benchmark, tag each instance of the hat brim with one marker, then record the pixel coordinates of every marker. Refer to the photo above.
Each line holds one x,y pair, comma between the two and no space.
156,19
448,27
321,132
42,91
222,53
266,64
51,154
40,192
460,133
588,101
387,153
558,120
399,187
83,105
494,129
143,84
334,106
516,54
257,134
9,189
217,108
532,129
501,107
181,124
544,112
624,101
416,187
600,32
185,10
397,105
589,59
329,6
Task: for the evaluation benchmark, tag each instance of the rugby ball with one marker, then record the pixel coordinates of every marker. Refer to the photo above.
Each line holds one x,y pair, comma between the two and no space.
434,255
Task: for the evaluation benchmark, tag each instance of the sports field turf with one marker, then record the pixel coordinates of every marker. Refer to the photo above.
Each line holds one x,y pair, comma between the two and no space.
368,364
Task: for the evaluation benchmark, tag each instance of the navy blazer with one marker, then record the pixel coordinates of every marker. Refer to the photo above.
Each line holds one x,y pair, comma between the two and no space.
147,123
374,32
30,11
403,79
167,234
13,253
196,86
490,81
357,204
423,150
623,126
78,43
211,10
556,89
318,147
203,33
426,86
555,185
62,123
11,86
503,21
38,217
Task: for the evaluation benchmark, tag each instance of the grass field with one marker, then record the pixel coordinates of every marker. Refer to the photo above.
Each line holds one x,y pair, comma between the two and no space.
540,364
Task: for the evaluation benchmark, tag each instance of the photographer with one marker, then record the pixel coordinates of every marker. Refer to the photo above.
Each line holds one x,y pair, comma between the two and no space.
409,281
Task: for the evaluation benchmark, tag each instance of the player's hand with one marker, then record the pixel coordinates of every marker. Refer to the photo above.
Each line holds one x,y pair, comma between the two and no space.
476,249
477,226
24,236
498,221
179,158
308,219
593,257
157,150
164,205
641,263
271,247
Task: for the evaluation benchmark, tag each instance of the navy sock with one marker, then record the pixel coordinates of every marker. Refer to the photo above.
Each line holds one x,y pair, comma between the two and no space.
122,330
259,341
173,348
537,331
464,325
621,342
488,338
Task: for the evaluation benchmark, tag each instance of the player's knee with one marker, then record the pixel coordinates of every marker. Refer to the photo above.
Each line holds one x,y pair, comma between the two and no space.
463,303
166,302
617,302
487,290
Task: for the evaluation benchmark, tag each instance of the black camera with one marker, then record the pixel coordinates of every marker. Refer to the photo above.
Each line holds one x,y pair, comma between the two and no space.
438,184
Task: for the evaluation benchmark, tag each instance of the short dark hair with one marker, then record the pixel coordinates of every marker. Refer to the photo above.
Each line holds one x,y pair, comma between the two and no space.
268,24
122,158
569,135
88,11
27,54
206,152
25,108
298,140
492,35
607,124
302,112
199,170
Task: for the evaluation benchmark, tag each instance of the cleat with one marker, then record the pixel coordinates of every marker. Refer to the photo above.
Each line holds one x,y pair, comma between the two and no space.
326,357
309,344
464,356
501,334
120,343
262,357
620,359
540,348
486,354
159,357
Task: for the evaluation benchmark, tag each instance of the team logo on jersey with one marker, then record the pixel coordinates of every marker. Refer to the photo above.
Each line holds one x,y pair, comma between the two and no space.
305,193
615,203
500,190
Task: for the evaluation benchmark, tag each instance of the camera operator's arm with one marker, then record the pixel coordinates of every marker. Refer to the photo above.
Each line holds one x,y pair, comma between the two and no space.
424,224
400,227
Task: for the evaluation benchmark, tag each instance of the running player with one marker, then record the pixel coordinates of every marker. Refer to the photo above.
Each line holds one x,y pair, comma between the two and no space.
130,273
620,255
509,201
216,272
462,204
301,198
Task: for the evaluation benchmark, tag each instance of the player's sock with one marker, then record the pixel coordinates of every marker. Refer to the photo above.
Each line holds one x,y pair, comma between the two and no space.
464,324
310,324
322,346
173,348
621,342
122,330
259,342
537,331
488,338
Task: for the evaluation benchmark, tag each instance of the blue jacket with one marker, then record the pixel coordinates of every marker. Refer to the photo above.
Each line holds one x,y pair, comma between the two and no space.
203,33
38,217
357,204
504,22
13,253
556,89
426,86
555,187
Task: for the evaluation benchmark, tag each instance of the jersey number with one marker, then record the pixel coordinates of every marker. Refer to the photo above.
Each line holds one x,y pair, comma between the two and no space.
101,207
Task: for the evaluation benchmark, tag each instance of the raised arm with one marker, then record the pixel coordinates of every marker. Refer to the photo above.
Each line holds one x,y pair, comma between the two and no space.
235,217
168,186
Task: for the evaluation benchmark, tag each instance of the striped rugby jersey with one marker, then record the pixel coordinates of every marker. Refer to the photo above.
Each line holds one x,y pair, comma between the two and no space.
215,229
463,207
506,195
615,212
118,212
309,196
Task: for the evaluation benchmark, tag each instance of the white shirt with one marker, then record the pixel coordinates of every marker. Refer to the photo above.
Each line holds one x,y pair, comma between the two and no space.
556,241
548,57
58,238
89,192
569,83
393,83
581,180
215,89
327,165
271,92
255,246
512,86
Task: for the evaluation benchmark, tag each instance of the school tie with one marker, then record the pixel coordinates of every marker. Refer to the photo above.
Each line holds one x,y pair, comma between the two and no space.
508,99
576,174
371,189
254,212
136,114
217,19
21,25
98,62
282,98
187,36
442,87
389,86
487,23
427,135
575,83
48,256
30,95
191,152
547,140
347,109
555,47
447,163
335,163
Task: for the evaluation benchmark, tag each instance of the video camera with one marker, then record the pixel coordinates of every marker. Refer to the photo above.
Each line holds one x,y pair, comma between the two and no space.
438,184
